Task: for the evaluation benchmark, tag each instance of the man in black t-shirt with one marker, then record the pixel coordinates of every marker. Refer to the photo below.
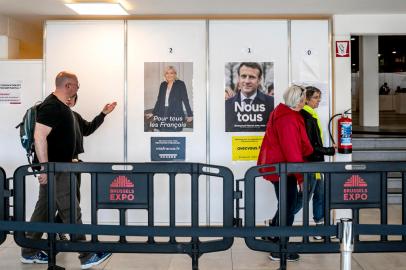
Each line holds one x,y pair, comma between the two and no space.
55,142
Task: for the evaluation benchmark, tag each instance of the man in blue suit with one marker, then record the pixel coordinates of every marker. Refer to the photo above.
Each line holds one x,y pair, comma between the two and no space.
249,109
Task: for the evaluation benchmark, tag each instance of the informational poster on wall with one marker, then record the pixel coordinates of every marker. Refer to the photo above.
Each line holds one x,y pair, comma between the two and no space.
249,95
168,96
10,92
246,148
310,67
168,148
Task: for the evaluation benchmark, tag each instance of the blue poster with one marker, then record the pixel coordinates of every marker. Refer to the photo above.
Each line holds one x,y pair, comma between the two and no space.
168,148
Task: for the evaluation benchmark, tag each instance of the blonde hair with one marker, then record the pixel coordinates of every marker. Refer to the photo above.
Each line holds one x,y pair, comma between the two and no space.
170,68
294,95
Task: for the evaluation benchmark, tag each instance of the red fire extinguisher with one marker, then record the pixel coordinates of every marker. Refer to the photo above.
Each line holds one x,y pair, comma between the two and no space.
344,133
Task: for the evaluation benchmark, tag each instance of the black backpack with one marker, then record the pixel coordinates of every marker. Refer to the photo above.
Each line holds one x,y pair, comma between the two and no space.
27,127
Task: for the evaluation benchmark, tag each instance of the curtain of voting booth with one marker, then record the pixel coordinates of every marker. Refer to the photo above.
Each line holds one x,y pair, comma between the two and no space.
94,50
131,62
235,140
153,47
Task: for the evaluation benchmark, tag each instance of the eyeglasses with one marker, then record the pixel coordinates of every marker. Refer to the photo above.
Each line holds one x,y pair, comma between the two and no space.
75,84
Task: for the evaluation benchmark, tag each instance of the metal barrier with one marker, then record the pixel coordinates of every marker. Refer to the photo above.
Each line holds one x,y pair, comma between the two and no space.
123,187
347,186
4,203
130,186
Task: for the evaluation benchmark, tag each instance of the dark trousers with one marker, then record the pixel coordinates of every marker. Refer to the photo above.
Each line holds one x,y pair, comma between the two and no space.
58,218
62,200
317,190
291,194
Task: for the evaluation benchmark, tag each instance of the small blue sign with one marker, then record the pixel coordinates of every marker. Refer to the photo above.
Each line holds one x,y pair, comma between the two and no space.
168,148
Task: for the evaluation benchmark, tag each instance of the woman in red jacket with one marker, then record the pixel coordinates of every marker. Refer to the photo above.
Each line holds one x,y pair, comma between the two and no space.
286,140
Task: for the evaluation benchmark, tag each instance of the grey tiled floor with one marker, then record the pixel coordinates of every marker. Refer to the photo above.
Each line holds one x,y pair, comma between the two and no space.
239,257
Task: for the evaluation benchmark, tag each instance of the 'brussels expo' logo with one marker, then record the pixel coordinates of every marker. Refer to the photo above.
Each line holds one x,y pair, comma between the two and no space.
355,189
121,189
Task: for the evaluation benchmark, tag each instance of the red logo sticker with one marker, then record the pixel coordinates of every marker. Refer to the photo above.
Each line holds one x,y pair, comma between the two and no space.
355,181
355,189
121,189
343,48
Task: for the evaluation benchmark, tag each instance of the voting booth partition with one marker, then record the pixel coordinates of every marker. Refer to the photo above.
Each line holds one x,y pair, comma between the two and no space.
126,61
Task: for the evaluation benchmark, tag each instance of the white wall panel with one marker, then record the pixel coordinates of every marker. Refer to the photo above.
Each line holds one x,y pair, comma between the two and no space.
229,42
94,50
12,154
310,62
310,67
150,41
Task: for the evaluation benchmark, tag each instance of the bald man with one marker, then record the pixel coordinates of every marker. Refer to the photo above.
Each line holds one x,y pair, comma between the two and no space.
55,141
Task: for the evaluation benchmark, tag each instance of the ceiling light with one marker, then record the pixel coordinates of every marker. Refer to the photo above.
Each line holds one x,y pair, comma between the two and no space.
93,8
394,52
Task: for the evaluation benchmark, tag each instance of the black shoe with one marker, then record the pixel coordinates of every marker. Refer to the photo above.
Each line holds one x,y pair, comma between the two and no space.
270,239
291,257
273,239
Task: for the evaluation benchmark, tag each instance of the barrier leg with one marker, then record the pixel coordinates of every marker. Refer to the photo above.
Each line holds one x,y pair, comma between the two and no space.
195,261
347,244
283,263
195,254
52,254
283,255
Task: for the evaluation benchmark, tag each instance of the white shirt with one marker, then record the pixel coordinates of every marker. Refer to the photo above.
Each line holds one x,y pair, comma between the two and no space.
168,92
243,97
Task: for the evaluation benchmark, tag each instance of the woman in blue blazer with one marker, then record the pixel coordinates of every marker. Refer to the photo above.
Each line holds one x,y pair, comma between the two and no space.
168,110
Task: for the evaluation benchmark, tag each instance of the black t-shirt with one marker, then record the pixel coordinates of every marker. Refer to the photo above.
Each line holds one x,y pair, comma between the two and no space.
61,140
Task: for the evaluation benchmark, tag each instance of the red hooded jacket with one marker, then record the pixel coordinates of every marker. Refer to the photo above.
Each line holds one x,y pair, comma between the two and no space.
285,140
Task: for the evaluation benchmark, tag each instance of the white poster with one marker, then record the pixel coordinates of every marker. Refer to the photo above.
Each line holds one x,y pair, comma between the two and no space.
10,92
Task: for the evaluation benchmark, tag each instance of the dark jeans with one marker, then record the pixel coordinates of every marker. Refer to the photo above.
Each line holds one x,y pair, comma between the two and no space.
316,189
318,199
291,194
62,200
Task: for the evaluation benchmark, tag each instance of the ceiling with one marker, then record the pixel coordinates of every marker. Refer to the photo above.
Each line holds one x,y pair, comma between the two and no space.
36,11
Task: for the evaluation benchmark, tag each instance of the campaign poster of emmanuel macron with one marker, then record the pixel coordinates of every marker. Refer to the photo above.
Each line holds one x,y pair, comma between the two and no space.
248,95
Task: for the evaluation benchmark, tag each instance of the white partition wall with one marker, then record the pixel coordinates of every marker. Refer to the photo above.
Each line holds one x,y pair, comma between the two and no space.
94,50
152,46
125,61
242,41
311,62
27,74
